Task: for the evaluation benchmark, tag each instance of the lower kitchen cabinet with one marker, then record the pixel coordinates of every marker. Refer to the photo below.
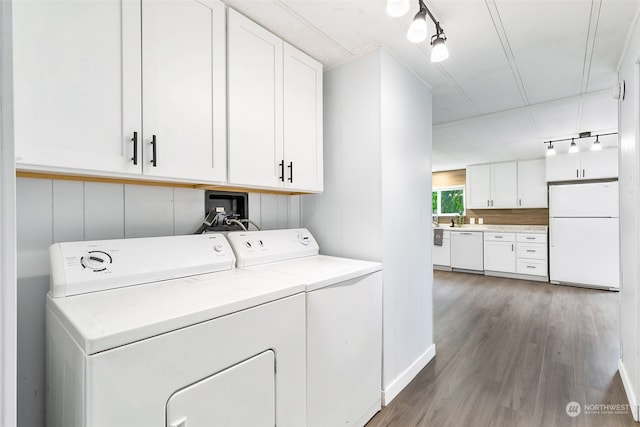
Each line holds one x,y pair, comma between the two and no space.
441,255
500,252
467,250
532,258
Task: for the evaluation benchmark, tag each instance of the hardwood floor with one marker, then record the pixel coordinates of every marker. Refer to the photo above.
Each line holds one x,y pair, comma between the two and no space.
515,353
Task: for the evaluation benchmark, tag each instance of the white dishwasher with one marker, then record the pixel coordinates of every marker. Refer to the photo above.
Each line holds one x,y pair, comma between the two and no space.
467,252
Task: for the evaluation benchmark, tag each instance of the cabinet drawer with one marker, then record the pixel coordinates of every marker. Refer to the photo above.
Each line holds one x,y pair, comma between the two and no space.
532,238
532,250
499,237
532,266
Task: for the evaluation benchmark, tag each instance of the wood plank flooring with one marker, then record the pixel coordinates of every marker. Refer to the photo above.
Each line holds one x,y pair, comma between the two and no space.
515,353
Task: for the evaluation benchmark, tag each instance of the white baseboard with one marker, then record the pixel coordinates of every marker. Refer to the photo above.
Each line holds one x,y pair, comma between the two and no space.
391,391
628,388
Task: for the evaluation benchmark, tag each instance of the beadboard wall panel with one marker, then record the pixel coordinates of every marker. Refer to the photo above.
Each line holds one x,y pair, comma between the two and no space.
51,211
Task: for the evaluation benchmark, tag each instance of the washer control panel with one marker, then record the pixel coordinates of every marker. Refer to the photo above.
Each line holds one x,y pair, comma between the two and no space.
260,247
82,267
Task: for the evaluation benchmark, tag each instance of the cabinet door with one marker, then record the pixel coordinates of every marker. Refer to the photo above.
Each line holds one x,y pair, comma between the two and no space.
479,186
532,185
76,70
563,167
302,121
504,187
500,256
599,164
184,85
255,104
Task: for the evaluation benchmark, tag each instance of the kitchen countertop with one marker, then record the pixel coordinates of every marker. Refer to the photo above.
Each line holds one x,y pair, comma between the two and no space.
533,229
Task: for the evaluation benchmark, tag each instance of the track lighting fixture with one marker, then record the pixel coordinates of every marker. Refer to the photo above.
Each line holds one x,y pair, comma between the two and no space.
573,148
418,31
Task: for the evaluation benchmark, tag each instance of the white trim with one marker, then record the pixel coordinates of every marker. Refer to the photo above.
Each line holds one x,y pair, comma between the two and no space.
409,374
628,388
8,333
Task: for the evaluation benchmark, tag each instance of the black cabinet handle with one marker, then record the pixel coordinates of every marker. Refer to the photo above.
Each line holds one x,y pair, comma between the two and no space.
135,148
583,173
577,173
290,171
154,158
281,164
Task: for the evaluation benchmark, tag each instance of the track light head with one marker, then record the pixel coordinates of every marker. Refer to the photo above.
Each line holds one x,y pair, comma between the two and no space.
596,144
551,151
573,148
417,32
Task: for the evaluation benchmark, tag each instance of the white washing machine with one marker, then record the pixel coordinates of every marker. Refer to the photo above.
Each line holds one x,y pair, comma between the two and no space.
344,321
166,332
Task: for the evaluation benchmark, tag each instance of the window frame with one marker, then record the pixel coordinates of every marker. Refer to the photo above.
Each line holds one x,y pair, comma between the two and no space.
439,190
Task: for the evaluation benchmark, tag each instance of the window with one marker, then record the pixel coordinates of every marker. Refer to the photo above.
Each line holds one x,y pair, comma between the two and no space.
448,201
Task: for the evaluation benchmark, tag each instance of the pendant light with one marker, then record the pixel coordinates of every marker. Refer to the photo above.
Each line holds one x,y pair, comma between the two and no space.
596,144
573,148
397,8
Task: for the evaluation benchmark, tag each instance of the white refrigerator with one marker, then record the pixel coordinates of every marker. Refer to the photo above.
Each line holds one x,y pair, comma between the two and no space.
584,234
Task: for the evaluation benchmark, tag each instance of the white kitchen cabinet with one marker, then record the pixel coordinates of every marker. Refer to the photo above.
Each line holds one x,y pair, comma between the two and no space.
441,255
467,250
500,252
184,90
532,185
492,186
582,165
76,71
85,72
532,255
275,110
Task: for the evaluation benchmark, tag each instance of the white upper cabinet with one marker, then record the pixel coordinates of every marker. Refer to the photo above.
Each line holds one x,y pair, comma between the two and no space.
302,121
275,111
184,89
479,186
583,165
532,185
255,104
76,70
492,186
79,85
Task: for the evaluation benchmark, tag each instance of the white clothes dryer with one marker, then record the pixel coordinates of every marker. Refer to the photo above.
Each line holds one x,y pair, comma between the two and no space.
166,332
343,321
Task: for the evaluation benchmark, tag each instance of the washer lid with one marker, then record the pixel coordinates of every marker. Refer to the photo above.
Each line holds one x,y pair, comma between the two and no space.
83,267
101,321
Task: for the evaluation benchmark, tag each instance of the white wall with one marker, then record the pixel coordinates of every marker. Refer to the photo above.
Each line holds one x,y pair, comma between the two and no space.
51,211
629,152
7,230
376,203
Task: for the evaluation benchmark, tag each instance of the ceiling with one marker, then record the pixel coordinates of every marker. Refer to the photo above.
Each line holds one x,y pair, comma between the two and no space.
520,71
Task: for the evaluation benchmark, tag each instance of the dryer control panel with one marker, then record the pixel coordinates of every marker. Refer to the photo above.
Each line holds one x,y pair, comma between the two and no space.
82,267
261,247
